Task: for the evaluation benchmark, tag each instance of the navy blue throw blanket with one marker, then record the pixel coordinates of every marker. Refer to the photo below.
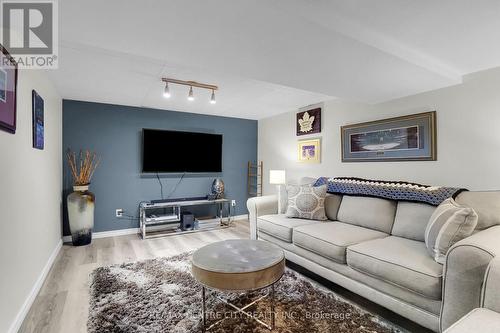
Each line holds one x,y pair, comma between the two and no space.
402,191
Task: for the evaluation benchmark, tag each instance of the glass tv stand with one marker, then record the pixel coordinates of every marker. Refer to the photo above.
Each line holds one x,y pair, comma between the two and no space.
159,219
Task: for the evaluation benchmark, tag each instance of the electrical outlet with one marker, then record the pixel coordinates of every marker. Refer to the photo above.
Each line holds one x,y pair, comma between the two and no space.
119,212
233,203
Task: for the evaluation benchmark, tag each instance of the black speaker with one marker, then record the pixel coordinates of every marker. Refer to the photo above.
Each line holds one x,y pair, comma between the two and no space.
187,221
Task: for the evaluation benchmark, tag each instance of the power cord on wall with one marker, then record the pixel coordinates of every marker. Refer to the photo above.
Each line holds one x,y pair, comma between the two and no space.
173,190
161,185
176,185
129,217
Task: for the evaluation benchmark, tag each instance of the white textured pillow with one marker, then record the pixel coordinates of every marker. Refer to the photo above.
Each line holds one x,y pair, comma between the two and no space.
307,202
449,224
284,195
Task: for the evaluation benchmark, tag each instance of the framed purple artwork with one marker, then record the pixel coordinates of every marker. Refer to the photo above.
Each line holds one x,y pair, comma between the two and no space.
38,120
309,122
8,87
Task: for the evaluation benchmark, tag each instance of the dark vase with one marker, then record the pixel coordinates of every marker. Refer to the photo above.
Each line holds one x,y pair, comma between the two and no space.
217,190
81,215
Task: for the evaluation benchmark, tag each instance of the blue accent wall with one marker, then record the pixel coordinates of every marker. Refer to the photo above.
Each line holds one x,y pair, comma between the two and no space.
115,133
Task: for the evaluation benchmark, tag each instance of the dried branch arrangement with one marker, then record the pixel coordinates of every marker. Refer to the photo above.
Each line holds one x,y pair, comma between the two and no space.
83,167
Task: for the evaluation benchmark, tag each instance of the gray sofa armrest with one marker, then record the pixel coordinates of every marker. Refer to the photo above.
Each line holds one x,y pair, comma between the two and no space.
464,272
490,297
478,320
259,206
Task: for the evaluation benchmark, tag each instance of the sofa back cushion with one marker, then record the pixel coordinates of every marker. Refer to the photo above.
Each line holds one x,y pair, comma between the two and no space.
486,204
332,205
411,220
373,213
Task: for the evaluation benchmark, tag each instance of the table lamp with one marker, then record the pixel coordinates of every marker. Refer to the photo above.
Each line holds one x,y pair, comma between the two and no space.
277,177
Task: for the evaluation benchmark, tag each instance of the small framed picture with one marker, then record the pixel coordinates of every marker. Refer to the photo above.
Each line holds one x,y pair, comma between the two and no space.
309,151
8,91
38,120
309,122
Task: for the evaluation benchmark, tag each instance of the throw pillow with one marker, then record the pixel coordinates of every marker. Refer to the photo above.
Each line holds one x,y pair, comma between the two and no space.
283,194
449,224
306,202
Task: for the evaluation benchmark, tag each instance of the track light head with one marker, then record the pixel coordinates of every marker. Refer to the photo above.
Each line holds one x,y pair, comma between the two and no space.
190,95
166,92
212,99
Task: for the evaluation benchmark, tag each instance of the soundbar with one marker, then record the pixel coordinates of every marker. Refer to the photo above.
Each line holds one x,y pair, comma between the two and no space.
178,199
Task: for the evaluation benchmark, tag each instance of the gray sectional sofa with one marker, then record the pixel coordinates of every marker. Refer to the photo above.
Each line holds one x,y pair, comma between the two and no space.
375,248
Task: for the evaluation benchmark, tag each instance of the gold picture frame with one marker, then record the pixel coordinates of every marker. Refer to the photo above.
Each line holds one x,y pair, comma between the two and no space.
309,151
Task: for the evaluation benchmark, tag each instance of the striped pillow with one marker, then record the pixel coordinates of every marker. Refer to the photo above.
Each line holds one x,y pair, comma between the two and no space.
449,223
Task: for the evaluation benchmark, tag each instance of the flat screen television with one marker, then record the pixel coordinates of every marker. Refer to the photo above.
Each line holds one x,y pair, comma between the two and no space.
176,152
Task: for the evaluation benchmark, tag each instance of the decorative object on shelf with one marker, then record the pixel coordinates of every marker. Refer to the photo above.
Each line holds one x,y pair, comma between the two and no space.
309,122
38,120
8,91
278,178
309,151
190,84
81,201
217,189
407,138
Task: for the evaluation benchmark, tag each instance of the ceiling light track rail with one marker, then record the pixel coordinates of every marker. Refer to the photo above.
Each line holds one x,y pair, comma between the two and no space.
191,83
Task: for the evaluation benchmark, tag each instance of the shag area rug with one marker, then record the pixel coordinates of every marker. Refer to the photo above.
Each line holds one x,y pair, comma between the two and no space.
160,295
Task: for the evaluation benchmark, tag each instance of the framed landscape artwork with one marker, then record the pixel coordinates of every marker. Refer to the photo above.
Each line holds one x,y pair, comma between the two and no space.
38,120
309,151
407,138
309,122
8,86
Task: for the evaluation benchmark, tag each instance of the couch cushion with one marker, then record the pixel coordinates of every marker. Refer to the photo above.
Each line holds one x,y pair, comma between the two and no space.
400,261
486,204
332,205
373,213
331,239
280,226
411,220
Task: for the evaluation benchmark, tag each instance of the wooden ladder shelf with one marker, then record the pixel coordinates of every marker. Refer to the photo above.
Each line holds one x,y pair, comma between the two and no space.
255,179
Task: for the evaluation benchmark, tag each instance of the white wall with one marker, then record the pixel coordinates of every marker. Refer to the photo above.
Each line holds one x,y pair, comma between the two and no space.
468,120
30,198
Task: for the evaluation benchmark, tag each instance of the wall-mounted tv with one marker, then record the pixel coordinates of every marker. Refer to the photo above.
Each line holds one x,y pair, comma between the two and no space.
178,152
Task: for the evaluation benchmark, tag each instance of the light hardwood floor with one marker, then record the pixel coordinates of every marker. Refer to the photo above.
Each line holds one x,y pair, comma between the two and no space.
63,302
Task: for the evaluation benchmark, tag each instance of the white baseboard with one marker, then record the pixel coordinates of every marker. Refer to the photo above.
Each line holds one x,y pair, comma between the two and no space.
18,321
131,231
110,233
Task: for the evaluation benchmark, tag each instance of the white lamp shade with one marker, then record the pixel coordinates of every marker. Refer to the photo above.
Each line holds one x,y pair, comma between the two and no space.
277,177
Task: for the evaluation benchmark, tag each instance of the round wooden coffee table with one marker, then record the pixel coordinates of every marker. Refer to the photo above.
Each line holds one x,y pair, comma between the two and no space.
239,265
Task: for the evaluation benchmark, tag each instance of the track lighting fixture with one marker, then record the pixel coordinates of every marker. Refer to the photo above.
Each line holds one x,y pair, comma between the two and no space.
190,95
191,84
166,92
212,99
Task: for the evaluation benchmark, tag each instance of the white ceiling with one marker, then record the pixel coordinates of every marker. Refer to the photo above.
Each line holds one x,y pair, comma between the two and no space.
270,56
